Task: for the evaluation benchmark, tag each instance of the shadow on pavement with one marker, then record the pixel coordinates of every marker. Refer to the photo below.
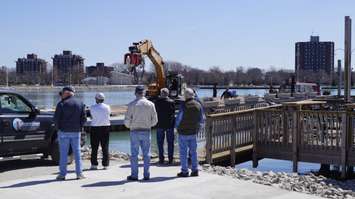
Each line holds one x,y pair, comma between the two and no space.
158,179
9,165
106,183
117,183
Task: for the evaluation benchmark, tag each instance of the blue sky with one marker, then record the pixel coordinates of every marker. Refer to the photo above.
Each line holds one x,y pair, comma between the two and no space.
200,33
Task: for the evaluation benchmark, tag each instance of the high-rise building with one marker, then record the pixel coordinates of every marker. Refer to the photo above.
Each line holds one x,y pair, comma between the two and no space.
30,69
68,68
314,56
31,64
99,70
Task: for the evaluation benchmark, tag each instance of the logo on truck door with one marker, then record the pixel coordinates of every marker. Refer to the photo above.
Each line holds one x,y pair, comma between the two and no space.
19,125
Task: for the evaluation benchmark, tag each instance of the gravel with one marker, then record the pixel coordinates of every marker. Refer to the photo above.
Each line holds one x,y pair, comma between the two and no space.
308,183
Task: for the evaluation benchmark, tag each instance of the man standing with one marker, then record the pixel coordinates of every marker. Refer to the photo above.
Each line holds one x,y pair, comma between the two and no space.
166,118
140,117
69,118
188,122
100,131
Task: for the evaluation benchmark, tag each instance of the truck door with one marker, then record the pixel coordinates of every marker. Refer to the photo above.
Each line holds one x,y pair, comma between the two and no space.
21,131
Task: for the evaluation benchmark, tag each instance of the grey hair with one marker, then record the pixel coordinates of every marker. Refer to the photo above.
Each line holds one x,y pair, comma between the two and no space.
189,93
164,92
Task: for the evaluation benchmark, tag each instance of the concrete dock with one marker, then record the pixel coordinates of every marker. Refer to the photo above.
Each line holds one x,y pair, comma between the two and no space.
112,184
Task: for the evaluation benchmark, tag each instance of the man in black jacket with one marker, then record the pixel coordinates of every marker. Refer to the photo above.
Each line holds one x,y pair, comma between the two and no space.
165,108
69,119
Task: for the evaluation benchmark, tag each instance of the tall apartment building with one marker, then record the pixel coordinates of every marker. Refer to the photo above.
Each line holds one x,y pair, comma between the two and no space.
314,56
30,69
68,68
99,70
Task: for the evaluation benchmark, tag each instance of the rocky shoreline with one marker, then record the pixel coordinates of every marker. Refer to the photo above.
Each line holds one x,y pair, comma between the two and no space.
308,183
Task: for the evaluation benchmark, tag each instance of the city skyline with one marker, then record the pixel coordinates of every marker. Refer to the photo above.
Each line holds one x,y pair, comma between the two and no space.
253,33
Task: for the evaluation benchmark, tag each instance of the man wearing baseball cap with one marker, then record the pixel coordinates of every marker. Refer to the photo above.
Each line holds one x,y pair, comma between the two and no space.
100,131
140,117
69,119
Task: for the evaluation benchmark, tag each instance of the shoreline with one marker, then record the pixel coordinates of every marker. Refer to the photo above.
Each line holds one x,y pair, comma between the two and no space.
77,88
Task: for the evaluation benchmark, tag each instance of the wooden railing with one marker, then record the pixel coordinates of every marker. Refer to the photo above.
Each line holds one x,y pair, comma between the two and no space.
318,136
229,131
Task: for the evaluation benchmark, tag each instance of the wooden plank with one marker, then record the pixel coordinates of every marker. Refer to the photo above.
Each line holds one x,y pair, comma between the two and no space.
343,145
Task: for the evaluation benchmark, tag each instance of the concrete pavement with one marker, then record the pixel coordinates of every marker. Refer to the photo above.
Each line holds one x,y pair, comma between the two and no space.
107,184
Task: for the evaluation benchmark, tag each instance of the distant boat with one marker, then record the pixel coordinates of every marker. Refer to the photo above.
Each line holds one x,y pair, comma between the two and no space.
288,93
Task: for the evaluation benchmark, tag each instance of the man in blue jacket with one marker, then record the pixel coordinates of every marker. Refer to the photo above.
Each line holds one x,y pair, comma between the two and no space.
69,119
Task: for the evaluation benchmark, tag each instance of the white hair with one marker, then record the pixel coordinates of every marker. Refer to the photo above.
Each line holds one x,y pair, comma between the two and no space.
189,93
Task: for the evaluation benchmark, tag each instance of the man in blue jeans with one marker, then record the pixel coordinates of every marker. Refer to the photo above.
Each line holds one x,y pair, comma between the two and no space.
69,119
188,122
166,119
140,117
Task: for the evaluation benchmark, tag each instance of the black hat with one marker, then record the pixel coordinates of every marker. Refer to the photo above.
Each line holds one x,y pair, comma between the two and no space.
68,88
139,89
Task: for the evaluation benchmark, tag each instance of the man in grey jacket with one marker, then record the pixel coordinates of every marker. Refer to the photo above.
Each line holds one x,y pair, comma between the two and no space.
140,117
69,119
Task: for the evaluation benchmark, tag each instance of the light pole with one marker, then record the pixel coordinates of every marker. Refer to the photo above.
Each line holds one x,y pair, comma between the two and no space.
7,77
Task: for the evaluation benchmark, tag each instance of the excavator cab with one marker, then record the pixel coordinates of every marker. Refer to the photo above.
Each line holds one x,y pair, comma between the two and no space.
174,84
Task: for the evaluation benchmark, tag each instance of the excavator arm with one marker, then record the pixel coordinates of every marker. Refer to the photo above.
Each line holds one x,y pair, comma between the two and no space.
137,51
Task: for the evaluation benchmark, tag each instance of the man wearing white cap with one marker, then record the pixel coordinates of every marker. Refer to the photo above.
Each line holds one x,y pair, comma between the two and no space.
100,131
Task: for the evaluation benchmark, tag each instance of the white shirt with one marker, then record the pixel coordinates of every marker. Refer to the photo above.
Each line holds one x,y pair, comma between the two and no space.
100,114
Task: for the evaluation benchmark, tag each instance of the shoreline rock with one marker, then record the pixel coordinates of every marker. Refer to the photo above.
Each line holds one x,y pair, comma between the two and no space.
308,183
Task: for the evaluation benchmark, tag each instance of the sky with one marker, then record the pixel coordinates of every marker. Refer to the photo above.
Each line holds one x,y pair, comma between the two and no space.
199,33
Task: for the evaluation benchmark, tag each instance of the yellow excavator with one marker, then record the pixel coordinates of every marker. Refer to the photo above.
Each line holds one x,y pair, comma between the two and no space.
135,61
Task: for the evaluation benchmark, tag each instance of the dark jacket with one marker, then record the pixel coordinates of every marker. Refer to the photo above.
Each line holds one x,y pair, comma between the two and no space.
70,115
165,108
189,118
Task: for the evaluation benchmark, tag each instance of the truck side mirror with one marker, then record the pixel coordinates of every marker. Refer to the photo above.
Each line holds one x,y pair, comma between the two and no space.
36,111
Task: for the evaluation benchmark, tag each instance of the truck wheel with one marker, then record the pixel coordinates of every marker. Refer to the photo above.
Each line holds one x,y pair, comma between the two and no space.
55,154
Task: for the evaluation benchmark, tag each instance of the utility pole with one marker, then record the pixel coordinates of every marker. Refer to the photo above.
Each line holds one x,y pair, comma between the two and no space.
347,60
7,77
339,78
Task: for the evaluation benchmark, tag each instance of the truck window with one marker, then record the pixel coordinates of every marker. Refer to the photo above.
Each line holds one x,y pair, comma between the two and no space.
13,104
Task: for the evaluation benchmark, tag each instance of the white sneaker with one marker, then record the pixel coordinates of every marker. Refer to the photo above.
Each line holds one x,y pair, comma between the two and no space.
93,167
105,168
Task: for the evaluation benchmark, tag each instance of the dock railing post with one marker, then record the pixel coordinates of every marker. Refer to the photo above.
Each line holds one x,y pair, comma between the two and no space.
233,141
209,140
255,131
346,130
295,138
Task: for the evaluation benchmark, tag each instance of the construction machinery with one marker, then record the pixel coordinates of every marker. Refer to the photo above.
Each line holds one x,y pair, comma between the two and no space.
135,61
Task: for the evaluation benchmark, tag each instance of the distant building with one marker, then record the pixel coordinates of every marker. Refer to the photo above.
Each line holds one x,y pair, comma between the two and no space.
314,56
99,70
30,69
68,68
119,78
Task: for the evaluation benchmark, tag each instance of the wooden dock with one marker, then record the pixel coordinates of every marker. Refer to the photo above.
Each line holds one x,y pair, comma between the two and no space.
299,131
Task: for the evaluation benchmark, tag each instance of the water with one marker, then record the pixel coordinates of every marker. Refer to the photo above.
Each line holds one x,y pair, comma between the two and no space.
120,97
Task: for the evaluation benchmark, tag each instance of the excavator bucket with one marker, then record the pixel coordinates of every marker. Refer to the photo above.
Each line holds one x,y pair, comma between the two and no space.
133,59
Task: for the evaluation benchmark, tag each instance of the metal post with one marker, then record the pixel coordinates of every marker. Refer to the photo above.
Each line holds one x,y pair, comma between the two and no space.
255,136
347,60
339,78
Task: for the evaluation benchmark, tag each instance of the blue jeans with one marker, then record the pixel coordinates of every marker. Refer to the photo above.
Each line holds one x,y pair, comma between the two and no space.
66,140
140,139
188,143
169,139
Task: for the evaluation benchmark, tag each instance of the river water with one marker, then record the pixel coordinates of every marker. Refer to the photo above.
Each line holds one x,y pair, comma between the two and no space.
119,141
